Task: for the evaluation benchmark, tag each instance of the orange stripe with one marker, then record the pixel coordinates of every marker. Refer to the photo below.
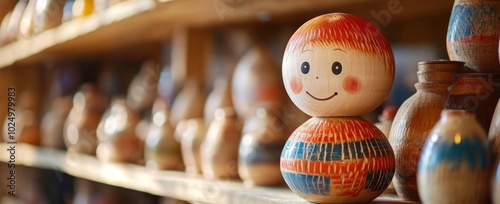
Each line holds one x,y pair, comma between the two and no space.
335,168
335,130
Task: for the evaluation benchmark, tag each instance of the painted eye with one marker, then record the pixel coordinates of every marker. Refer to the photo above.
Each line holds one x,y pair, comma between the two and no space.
305,67
336,68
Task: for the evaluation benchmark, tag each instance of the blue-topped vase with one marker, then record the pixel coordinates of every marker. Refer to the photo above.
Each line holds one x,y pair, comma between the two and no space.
473,34
455,163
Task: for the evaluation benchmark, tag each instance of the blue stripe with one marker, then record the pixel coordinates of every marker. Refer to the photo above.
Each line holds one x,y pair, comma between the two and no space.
307,184
374,147
468,20
378,180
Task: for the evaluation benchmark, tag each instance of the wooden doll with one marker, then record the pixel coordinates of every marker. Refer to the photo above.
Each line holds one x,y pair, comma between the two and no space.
337,67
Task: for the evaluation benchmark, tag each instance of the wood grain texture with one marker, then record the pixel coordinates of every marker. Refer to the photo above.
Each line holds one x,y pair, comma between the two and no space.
172,184
415,119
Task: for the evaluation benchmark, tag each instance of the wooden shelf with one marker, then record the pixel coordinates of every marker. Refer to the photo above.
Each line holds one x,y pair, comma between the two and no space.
132,24
172,184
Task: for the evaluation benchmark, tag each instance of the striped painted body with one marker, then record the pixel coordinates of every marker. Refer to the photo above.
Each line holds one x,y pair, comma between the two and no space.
455,163
337,160
473,34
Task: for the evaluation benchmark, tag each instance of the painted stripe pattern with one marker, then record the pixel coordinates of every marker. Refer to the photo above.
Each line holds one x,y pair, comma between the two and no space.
343,156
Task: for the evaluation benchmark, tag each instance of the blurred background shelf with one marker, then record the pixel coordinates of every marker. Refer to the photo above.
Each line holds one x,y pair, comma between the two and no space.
119,27
172,184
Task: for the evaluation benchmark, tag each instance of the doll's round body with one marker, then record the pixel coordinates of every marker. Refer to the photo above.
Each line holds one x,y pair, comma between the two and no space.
338,160
337,67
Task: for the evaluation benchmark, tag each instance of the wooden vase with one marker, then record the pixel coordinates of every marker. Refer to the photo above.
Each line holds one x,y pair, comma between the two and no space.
475,92
334,160
220,97
15,20
4,29
80,127
162,151
26,24
118,141
53,123
473,34
188,104
334,77
455,162
414,120
142,91
191,140
219,151
257,83
259,152
47,15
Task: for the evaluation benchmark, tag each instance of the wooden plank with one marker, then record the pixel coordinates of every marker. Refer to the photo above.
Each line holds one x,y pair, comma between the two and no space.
172,184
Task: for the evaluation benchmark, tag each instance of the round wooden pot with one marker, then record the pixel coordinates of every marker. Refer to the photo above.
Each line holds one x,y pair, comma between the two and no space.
263,139
118,142
53,123
80,127
473,34
162,150
219,150
455,162
142,91
220,97
191,140
257,83
415,119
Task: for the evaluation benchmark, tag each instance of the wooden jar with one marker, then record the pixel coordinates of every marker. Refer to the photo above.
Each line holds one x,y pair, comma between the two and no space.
259,152
191,141
119,142
414,120
219,151
80,127
455,162
162,150
52,125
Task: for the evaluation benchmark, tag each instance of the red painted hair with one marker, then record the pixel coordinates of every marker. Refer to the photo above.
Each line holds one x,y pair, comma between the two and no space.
348,30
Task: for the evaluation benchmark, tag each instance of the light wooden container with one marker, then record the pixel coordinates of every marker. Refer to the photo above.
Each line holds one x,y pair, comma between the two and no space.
259,152
219,151
257,83
455,162
119,142
191,141
473,34
162,150
495,191
53,123
47,15
220,97
80,127
415,119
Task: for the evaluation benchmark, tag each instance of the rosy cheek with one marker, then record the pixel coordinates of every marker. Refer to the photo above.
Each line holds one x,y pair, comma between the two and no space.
296,85
351,84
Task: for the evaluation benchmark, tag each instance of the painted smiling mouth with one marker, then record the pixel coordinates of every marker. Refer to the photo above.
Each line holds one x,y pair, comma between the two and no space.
322,99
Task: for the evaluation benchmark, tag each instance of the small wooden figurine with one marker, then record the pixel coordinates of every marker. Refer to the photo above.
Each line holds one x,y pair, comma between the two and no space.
337,67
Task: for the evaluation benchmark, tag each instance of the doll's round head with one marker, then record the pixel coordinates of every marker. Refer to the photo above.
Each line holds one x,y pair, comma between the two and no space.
338,65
